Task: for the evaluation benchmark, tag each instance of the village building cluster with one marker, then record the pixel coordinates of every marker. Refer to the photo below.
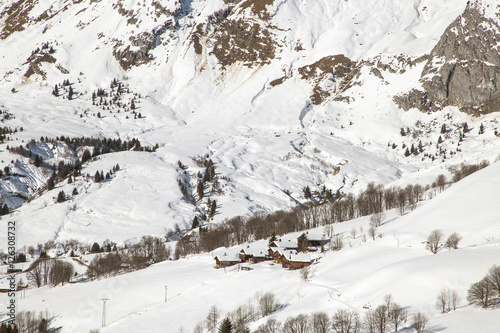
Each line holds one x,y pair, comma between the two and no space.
289,254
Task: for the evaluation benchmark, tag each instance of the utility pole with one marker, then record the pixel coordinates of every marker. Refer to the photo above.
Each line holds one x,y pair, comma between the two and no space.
165,293
104,311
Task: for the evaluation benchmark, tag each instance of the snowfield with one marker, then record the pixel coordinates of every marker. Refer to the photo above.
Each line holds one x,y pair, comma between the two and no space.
360,274
271,127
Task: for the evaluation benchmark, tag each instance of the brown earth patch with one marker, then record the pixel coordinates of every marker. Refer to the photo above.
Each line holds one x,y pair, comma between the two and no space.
322,70
17,16
259,7
279,81
243,41
35,61
127,57
198,48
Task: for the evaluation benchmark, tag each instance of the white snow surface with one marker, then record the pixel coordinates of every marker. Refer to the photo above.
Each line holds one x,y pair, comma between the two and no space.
360,274
264,140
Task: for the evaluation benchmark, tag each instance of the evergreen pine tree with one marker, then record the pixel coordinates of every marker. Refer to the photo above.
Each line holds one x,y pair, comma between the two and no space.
70,93
196,223
407,152
272,239
51,183
307,192
43,327
97,177
465,127
213,208
75,192
61,197
199,189
95,248
4,210
481,129
226,326
443,129
38,161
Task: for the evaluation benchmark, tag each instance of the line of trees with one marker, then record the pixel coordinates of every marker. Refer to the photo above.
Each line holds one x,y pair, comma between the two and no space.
237,230
49,271
387,317
33,322
374,200
148,250
238,320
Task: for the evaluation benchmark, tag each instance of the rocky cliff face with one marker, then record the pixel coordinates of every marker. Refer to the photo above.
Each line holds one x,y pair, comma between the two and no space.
463,69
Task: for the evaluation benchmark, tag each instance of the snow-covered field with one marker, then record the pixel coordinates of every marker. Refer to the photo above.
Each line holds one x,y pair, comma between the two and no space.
360,274
267,141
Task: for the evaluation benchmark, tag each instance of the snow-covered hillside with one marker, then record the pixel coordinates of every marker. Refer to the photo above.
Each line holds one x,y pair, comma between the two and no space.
255,100
289,114
360,274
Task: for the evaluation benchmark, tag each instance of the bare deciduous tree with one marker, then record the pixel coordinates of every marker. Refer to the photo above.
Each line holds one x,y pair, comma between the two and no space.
442,300
320,322
441,182
271,326
481,292
212,318
268,303
494,277
61,272
447,300
377,321
454,299
372,232
397,315
353,232
346,321
243,315
377,218
419,322
199,328
304,273
337,242
434,240
452,241
297,324
34,274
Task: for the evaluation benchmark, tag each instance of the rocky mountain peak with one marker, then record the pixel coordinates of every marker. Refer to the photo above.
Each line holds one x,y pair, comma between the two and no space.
463,68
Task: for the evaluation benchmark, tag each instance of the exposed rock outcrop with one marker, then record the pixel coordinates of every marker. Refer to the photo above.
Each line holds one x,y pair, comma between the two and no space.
463,69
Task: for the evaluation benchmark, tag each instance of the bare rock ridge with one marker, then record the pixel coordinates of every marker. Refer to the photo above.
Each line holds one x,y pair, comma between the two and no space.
463,69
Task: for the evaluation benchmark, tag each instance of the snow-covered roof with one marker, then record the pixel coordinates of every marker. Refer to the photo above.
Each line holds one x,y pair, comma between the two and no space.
287,244
226,258
255,251
301,257
317,237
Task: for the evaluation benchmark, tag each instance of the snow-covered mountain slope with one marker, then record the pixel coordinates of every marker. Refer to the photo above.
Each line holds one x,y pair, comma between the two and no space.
360,274
280,95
